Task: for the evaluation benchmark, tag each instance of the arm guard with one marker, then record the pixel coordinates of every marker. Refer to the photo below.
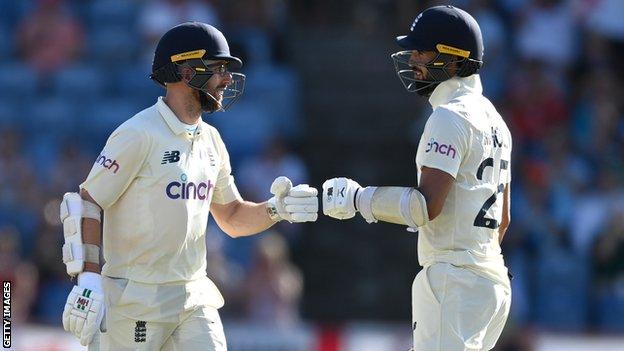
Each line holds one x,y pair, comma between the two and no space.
75,253
400,205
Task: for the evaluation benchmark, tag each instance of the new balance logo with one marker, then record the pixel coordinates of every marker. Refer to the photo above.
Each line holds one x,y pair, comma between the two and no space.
140,331
170,157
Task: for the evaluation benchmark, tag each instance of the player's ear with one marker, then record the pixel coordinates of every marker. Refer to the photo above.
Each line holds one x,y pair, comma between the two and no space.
186,73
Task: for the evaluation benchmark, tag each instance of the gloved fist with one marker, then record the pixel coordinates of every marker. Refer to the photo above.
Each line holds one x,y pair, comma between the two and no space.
83,313
339,197
294,204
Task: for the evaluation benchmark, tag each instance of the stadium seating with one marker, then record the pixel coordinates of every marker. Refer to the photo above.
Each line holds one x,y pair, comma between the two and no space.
18,81
112,12
80,82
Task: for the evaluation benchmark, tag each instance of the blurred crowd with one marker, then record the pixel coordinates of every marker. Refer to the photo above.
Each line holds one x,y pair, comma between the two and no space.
72,70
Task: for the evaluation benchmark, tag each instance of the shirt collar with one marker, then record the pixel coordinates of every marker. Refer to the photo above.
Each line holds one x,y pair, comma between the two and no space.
173,122
455,87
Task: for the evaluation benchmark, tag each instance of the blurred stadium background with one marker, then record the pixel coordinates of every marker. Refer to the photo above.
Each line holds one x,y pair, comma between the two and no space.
322,100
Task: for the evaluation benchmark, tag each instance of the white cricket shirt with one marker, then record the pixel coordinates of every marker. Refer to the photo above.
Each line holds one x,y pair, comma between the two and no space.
467,138
155,182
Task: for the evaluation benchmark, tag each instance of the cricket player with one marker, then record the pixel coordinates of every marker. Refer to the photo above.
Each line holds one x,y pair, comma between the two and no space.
461,297
158,177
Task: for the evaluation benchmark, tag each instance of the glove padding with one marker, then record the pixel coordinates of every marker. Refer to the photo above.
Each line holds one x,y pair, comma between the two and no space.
83,313
294,204
339,197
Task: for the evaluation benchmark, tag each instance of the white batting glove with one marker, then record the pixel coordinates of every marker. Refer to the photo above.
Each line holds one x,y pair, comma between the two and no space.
294,204
339,197
84,309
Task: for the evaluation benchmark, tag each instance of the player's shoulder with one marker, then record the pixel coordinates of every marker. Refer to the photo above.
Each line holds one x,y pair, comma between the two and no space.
139,125
450,115
474,110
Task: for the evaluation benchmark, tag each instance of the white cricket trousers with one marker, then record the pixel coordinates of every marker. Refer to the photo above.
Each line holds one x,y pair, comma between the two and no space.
201,330
454,309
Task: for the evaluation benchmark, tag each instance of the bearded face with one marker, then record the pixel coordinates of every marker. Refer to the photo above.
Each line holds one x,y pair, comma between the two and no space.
215,87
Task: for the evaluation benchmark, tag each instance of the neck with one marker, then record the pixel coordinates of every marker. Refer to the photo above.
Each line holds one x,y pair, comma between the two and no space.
182,105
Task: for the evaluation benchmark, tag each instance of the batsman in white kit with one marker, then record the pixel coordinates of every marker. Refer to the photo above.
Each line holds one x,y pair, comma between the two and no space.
460,208
157,179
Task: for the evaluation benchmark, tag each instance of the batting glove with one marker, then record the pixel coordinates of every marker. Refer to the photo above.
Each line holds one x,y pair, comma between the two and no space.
84,309
293,204
339,197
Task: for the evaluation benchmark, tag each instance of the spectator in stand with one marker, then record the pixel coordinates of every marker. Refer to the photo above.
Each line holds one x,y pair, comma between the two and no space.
19,188
274,284
609,253
531,122
21,273
53,281
71,163
496,40
225,272
50,38
275,160
543,23
598,113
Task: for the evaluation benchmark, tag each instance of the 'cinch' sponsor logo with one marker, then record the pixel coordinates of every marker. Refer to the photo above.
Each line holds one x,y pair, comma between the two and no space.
108,163
444,149
188,190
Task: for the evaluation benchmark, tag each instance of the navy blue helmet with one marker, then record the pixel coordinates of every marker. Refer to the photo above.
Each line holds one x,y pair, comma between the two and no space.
450,32
199,46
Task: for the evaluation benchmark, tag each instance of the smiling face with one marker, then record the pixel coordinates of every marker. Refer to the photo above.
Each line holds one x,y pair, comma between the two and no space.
207,83
221,78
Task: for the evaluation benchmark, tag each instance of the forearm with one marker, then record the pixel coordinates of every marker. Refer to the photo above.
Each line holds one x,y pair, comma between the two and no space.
246,218
91,234
506,217
503,229
501,234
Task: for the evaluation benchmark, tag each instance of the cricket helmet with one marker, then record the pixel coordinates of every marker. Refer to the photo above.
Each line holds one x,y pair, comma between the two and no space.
450,32
198,46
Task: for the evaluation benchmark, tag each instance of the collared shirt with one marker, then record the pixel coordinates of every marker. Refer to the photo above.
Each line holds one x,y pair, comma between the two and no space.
467,138
155,182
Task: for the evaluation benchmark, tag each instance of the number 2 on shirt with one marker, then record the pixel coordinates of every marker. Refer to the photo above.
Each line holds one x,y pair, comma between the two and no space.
480,220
